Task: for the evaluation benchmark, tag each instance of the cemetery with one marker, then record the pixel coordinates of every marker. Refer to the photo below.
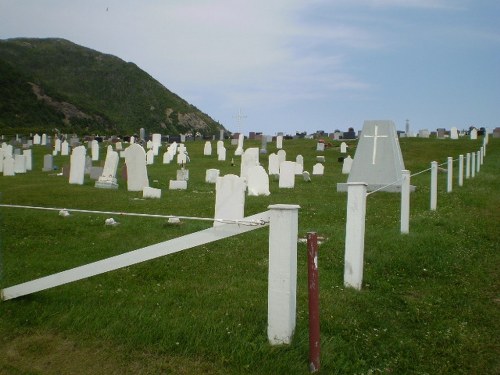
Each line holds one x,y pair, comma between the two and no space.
407,277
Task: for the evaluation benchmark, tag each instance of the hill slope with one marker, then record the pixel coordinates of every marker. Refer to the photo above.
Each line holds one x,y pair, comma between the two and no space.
54,83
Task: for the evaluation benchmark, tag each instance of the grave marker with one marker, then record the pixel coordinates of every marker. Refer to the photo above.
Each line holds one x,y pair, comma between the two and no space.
77,167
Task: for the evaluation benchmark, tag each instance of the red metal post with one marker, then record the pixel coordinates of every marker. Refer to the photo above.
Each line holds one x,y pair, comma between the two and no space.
313,282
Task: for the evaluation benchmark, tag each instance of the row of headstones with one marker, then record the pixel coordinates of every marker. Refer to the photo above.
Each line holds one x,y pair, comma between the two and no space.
320,147
454,133
14,161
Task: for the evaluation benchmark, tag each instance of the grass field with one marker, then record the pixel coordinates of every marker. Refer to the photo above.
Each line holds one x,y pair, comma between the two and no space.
429,303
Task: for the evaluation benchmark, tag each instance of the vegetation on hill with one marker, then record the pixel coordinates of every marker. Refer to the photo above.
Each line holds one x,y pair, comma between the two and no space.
54,83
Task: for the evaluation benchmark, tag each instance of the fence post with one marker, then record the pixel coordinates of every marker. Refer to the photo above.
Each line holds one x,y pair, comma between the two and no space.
473,164
313,286
483,149
282,287
355,234
460,170
434,184
478,160
405,201
449,186
467,165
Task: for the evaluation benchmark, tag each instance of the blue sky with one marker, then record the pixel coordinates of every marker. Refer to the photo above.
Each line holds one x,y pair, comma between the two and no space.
296,65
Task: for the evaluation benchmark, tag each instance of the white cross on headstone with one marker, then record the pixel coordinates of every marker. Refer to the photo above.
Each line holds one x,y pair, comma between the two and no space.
375,136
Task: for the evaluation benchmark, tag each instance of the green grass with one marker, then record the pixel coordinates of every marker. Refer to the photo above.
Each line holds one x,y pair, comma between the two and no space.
429,303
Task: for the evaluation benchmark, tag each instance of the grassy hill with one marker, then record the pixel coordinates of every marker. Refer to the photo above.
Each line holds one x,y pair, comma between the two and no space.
54,83
429,303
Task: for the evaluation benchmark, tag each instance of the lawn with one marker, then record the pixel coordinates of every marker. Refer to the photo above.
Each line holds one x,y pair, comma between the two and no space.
429,303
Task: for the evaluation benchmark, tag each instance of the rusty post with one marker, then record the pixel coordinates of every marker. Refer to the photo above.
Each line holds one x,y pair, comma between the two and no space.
313,283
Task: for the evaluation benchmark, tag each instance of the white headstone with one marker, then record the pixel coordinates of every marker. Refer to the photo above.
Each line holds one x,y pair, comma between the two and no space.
279,142
137,173
211,176
150,157
108,177
318,169
222,154
258,181
346,166
1,160
19,164
167,157
28,159
47,163
77,168
306,176
57,145
156,140
118,146
239,148
36,139
299,164
424,133
378,160
65,148
43,141
453,133
473,134
274,164
320,146
182,174
149,192
220,145
281,156
249,159
149,144
8,166
343,148
287,174
177,185
95,150
229,198
207,150
181,158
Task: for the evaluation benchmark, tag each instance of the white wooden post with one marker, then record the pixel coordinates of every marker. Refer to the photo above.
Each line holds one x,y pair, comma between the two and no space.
282,287
473,164
467,165
405,201
478,161
461,170
434,184
449,186
482,154
355,234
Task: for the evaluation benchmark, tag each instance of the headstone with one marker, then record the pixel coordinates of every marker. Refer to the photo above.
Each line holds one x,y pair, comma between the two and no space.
177,185
263,145
137,173
423,133
299,164
77,167
318,169
149,192
8,166
221,134
43,141
239,148
142,133
343,148
453,133
88,164
229,198
95,150
249,159
108,178
320,146
36,139
132,140
183,138
118,146
274,164
28,159
182,174
258,181
287,174
279,142
281,156
496,133
473,134
222,154
64,148
378,160
19,164
1,160
150,157
440,133
156,141
57,146
149,145
320,159
167,157
211,176
220,145
181,158
207,150
306,176
96,172
47,163
346,167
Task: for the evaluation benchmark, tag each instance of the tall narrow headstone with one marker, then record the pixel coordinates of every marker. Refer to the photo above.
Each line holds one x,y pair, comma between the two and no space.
36,139
473,134
207,150
64,148
249,159
279,142
378,161
299,165
274,164
258,181
347,165
77,167
108,178
95,150
281,156
453,133
47,163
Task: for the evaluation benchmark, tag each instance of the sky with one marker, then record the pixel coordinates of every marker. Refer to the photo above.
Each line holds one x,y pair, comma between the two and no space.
296,65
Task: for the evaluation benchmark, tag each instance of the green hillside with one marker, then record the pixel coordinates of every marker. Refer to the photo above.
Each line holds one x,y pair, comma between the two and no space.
54,83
